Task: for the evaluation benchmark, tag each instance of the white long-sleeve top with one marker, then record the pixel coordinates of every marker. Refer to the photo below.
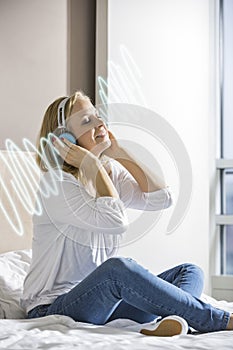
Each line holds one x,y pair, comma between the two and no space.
76,232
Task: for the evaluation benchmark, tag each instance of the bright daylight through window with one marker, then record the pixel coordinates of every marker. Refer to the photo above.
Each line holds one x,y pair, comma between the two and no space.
226,153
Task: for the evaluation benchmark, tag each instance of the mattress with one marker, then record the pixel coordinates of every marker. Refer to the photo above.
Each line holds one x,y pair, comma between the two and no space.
61,332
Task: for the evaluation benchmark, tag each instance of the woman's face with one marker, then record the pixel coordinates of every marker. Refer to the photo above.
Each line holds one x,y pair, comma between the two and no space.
87,126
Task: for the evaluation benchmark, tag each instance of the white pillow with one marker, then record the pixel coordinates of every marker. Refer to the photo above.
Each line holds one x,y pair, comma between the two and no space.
13,270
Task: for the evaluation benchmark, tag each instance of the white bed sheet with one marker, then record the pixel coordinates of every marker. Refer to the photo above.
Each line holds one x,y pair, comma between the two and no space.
61,332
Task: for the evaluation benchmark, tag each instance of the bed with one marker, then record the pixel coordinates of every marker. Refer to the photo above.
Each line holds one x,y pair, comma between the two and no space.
61,332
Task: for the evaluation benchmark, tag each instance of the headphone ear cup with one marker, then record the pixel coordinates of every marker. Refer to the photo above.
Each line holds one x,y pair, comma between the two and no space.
68,136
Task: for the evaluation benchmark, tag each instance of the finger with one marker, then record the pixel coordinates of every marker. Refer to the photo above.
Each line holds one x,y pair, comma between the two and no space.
111,136
61,141
110,133
66,142
58,143
62,149
100,148
54,138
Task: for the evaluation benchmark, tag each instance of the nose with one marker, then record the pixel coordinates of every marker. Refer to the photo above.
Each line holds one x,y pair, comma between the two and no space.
98,122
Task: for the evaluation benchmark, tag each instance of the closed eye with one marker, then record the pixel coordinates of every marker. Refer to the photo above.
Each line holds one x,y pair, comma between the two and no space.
89,118
86,120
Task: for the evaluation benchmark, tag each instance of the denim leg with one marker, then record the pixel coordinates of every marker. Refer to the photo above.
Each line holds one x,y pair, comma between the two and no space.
187,277
117,279
125,310
38,311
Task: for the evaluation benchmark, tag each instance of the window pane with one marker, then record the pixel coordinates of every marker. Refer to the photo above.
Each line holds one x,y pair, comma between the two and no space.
229,249
227,132
227,103
228,192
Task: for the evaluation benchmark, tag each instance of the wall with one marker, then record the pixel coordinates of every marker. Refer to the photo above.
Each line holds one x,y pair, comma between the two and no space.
47,50
81,46
33,63
169,41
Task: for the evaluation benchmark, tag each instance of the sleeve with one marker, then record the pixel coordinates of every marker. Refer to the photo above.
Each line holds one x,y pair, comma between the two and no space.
74,206
131,194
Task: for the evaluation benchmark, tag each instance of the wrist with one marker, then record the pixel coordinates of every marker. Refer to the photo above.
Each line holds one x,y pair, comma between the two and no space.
121,154
90,166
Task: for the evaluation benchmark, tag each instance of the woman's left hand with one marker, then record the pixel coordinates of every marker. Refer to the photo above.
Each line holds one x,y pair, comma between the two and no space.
114,151
100,148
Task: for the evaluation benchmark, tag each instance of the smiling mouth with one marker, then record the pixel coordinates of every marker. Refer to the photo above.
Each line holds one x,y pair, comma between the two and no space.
101,135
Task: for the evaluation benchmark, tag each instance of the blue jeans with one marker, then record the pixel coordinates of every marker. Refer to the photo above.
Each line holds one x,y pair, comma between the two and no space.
121,288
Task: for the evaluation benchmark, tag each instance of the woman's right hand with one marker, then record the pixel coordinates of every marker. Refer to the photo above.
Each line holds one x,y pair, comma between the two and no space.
90,166
73,154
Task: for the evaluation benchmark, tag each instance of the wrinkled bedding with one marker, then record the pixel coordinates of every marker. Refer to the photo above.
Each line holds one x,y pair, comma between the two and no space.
61,332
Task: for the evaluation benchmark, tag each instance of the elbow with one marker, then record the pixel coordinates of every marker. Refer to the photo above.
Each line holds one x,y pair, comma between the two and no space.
114,223
124,225
158,200
112,217
168,201
120,226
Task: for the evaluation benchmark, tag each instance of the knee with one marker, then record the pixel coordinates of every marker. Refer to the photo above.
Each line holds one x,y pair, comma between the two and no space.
119,264
195,270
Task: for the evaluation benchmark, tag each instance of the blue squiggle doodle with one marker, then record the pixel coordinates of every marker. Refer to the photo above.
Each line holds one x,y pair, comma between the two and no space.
25,175
123,102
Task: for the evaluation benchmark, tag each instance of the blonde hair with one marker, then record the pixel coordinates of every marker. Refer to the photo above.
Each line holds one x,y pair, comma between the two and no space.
50,125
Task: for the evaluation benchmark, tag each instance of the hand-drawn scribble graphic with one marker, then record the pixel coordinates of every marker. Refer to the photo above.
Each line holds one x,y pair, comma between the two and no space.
123,105
25,181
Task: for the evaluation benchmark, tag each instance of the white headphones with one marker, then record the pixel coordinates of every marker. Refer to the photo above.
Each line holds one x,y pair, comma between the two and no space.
61,121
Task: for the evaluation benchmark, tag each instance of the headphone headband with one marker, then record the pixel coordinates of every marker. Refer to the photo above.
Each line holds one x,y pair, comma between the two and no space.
61,113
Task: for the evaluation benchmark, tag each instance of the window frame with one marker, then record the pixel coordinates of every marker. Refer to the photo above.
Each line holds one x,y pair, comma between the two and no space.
222,164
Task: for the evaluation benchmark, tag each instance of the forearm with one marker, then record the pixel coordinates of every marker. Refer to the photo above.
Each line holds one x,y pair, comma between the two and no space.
90,167
147,181
96,173
104,185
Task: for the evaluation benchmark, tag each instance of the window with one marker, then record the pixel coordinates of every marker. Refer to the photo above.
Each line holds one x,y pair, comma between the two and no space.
225,164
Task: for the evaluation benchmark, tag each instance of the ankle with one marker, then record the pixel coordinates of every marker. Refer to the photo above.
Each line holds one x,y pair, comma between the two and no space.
230,323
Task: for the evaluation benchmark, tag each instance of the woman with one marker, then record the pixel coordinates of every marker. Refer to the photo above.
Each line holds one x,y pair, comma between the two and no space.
74,270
